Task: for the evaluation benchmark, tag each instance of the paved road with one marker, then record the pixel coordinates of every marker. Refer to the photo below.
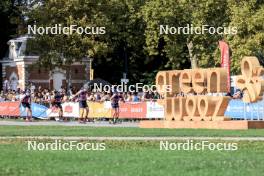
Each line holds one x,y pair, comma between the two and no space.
71,123
134,138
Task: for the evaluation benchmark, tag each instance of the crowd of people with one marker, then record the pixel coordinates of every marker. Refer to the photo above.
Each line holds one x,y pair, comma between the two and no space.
55,98
44,96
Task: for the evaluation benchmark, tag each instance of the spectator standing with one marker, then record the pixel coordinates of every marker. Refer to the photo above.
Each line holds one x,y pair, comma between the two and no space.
32,87
135,97
156,95
238,94
106,97
129,97
6,85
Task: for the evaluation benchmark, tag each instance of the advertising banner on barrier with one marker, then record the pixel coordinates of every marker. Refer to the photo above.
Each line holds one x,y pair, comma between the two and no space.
99,110
38,111
154,110
133,110
237,109
70,109
53,112
9,108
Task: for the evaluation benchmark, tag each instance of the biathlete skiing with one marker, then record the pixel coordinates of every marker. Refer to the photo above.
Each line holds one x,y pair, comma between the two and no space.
25,101
84,109
116,97
56,102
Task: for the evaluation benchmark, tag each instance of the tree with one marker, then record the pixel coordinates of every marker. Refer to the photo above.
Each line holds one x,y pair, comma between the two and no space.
248,17
123,40
61,50
182,49
133,43
9,14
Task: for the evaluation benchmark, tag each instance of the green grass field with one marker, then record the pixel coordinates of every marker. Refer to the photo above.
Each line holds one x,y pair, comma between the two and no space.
130,159
108,131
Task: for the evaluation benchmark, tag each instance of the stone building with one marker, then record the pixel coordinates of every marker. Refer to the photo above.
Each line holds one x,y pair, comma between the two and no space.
19,69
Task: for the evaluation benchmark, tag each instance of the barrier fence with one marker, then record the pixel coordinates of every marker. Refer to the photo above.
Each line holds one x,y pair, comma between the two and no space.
236,110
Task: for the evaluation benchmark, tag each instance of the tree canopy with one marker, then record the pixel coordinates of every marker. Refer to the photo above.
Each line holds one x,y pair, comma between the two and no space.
132,41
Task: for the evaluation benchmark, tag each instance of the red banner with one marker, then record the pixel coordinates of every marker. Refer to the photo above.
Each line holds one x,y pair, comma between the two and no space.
225,60
132,110
9,109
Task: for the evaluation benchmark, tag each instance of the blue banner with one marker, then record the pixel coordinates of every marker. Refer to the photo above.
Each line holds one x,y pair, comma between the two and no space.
38,111
237,109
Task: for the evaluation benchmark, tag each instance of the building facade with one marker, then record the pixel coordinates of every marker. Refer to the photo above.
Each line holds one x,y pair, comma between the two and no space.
21,70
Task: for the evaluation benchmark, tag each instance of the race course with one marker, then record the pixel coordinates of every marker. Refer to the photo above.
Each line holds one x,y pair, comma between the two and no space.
126,145
71,123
